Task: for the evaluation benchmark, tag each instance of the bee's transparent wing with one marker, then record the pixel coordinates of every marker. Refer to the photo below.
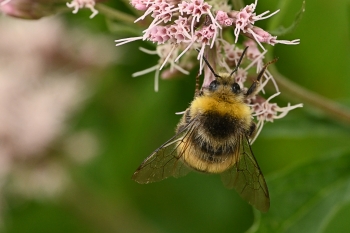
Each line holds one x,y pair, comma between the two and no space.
246,177
165,161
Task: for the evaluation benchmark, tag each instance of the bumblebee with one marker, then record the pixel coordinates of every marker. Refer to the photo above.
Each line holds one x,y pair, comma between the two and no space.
213,137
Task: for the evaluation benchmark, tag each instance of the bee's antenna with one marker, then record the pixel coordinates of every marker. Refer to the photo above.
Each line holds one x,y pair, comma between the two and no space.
211,69
239,61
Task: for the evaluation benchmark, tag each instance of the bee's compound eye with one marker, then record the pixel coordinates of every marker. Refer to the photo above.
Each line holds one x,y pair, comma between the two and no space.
236,88
213,85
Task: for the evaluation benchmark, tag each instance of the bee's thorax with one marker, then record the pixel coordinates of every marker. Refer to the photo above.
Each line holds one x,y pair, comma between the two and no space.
215,107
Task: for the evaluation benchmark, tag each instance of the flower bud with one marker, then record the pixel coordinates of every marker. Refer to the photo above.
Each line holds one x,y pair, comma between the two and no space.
29,9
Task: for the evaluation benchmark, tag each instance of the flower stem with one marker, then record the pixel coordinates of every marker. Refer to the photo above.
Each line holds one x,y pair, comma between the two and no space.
237,4
115,14
327,106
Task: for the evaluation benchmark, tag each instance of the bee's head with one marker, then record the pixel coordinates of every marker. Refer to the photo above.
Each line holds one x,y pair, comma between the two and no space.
224,82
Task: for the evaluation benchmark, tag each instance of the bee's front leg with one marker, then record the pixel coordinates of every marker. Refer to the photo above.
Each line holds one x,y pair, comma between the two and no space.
254,88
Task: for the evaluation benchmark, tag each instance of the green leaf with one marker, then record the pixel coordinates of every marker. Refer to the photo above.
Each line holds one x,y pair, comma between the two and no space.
282,30
307,197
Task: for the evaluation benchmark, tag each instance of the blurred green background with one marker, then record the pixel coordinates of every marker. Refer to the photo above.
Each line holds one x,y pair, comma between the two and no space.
131,120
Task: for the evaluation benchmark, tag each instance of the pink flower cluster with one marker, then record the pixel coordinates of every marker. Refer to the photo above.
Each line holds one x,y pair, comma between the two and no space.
265,111
140,5
224,19
191,24
244,20
186,30
180,27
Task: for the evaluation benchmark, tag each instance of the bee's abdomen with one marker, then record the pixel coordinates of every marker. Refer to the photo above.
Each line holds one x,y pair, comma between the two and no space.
205,154
213,149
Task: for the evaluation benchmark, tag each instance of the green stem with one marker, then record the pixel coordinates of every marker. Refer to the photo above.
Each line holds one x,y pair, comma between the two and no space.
115,14
327,106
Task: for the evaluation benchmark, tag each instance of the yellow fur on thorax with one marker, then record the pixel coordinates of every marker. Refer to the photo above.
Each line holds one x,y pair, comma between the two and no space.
233,106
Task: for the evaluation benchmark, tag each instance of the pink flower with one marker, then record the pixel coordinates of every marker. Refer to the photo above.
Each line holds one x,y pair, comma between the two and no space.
196,8
265,111
262,36
159,34
204,35
244,24
223,19
140,5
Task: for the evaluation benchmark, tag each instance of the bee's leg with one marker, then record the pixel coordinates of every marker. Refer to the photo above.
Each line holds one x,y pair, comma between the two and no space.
197,92
252,130
254,87
187,115
186,118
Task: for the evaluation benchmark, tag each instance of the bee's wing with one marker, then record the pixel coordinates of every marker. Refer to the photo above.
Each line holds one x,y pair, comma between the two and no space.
246,177
165,161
